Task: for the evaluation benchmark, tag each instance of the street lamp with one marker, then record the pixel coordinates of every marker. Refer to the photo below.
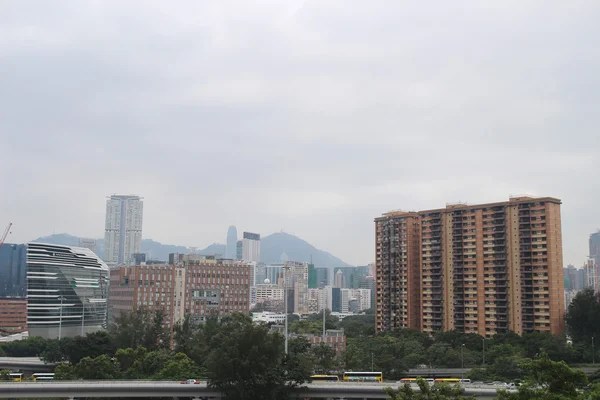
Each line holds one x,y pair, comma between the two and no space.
61,298
285,306
324,313
462,357
593,352
82,314
372,363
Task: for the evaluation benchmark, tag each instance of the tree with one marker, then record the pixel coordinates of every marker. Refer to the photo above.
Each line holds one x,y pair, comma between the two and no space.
443,355
140,328
438,391
246,361
324,358
503,363
547,380
583,317
329,319
151,363
64,372
184,334
180,368
52,353
102,367
4,375
479,374
33,346
356,328
456,339
536,343
298,362
74,349
156,336
293,317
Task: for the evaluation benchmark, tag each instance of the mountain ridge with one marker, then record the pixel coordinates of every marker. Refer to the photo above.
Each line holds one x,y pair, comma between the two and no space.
274,247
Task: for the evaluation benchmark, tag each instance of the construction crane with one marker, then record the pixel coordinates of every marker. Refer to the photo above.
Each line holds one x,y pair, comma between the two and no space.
6,232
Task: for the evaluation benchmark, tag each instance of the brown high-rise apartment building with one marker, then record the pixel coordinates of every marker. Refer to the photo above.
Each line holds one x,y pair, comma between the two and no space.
482,269
398,288
196,285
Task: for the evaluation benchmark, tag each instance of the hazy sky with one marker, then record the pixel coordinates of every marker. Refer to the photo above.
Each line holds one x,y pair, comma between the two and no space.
309,116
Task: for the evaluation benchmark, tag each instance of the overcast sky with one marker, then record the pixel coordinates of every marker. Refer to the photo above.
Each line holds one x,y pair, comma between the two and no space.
309,116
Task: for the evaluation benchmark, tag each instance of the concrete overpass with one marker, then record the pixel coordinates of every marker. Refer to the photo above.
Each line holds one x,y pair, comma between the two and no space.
35,364
107,389
25,364
458,372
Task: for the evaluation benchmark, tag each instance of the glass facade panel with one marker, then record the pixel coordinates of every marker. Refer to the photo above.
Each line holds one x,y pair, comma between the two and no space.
13,275
67,291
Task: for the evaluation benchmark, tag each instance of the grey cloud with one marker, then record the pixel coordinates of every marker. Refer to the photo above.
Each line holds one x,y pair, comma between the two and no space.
312,116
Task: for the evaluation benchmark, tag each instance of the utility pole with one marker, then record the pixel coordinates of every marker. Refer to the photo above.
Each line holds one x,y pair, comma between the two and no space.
593,352
60,318
324,322
82,315
324,313
285,306
462,357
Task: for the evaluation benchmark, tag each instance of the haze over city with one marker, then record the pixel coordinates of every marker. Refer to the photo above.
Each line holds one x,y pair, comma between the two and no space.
309,116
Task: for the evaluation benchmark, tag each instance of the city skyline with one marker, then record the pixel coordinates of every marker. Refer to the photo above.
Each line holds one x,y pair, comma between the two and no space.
293,117
577,263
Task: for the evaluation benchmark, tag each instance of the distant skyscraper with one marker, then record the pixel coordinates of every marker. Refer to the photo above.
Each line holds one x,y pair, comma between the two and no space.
231,249
251,247
312,277
591,275
569,273
123,230
595,247
368,282
239,246
340,279
322,277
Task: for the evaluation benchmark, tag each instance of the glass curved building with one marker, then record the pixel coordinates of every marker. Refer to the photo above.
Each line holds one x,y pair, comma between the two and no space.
67,290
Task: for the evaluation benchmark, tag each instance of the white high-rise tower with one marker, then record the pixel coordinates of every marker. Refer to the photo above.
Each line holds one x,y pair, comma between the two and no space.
251,247
123,229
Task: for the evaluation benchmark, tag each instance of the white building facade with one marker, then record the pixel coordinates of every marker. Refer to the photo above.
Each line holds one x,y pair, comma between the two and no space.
268,291
268,317
123,228
251,247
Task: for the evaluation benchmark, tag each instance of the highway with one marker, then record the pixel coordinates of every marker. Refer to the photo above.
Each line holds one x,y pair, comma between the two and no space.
34,364
70,389
25,364
458,372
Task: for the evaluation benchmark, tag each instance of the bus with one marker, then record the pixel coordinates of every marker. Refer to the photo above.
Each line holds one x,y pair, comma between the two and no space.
16,376
43,376
325,378
448,380
363,377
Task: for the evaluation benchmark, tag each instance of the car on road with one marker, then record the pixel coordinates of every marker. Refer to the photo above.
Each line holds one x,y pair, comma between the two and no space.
190,382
